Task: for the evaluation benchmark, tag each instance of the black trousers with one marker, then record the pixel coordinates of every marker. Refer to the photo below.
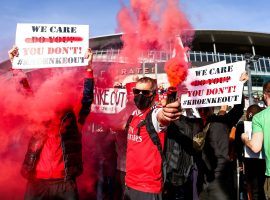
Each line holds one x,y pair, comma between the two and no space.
120,185
51,189
255,169
219,189
131,194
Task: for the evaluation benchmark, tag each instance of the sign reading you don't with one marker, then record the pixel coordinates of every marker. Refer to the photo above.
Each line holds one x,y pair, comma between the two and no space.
214,85
51,45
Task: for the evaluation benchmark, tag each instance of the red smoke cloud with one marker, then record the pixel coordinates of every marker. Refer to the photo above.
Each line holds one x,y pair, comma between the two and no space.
24,114
154,25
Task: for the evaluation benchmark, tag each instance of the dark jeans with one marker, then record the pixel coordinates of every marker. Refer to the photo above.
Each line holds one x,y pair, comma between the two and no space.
131,194
119,185
254,169
105,188
57,189
186,191
183,192
219,189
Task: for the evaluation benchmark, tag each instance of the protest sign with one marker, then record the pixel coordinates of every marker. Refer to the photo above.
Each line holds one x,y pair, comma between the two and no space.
109,100
248,152
51,45
213,85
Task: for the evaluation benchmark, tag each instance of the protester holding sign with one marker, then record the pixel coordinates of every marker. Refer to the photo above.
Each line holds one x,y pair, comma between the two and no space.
215,84
54,156
51,45
215,156
260,136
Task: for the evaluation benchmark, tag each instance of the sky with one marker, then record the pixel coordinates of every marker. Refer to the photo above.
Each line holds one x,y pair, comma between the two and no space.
100,15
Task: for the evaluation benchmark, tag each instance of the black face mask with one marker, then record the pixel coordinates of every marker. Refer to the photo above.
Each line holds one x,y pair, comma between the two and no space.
142,102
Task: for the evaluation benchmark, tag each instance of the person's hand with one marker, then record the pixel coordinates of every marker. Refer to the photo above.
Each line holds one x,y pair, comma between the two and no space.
14,52
89,56
172,111
244,137
169,112
244,77
223,110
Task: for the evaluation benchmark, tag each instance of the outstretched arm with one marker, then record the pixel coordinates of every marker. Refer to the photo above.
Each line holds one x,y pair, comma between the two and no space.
19,74
88,89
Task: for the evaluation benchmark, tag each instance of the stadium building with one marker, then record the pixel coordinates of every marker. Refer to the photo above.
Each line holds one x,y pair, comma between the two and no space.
208,46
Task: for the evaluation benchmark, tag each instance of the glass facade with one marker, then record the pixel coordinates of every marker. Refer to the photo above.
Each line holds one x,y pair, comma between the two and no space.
261,66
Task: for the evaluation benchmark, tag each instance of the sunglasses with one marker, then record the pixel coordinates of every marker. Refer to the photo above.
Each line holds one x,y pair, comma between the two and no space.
143,92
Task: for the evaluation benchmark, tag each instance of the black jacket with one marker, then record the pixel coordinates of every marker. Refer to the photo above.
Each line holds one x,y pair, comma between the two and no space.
216,150
179,148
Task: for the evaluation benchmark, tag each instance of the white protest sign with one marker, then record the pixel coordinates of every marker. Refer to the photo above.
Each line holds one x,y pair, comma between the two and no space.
213,85
248,152
51,45
109,100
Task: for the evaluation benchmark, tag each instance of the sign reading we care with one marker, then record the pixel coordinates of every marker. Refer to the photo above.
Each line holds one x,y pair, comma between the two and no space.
214,85
51,45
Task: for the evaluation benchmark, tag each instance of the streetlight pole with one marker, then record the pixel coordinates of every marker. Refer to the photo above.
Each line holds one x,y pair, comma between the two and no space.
250,97
250,59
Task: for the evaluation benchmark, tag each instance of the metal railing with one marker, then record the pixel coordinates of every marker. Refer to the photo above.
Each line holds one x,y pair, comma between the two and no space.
113,55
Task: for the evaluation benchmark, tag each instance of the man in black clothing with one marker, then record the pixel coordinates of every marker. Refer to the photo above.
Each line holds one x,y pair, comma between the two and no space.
215,165
181,159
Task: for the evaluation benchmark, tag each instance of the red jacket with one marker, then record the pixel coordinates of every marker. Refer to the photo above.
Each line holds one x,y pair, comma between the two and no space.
51,164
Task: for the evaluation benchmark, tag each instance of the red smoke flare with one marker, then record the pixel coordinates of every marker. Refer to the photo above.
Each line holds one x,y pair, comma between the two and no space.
177,67
176,70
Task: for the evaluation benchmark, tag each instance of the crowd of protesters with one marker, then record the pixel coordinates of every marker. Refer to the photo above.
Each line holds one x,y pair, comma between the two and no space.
150,152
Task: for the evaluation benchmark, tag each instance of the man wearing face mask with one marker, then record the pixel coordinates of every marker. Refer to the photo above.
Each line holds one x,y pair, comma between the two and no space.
144,161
